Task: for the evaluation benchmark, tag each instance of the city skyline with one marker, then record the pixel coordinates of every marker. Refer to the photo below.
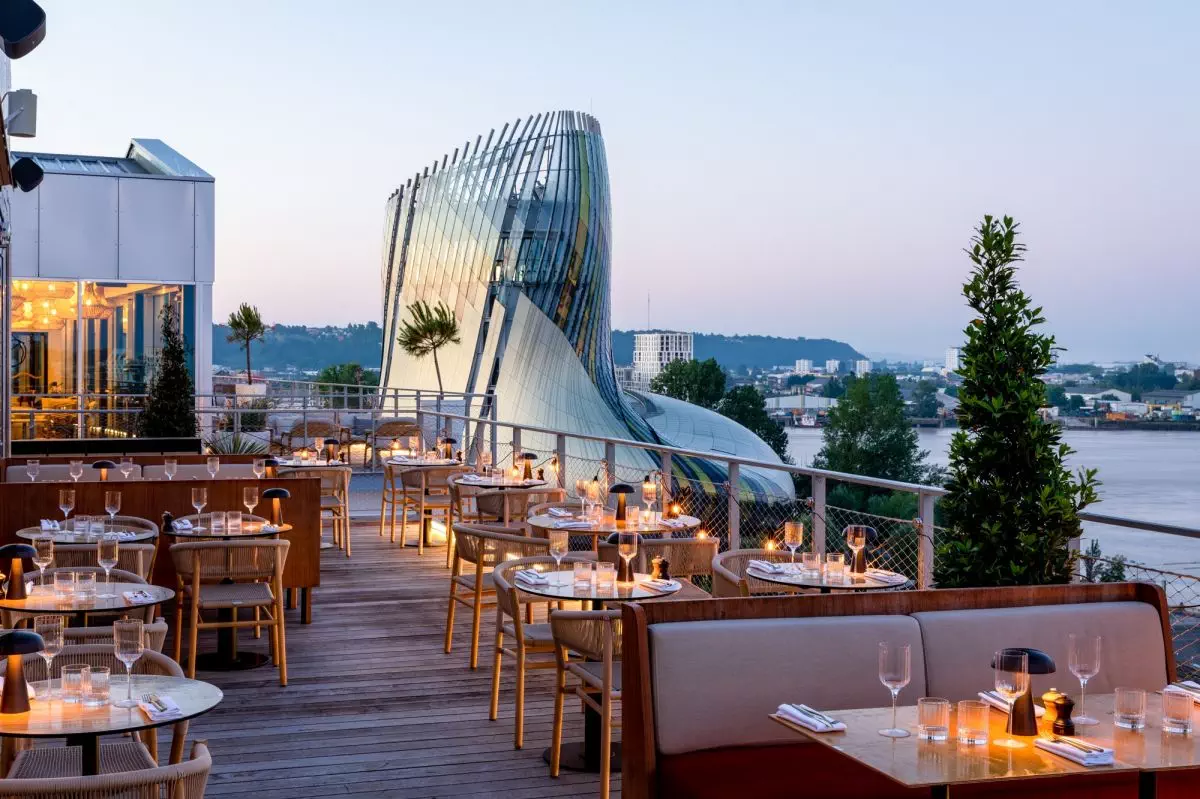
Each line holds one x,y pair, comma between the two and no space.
781,170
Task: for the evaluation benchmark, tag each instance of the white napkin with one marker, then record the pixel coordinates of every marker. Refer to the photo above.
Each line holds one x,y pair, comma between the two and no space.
766,567
183,524
49,525
561,513
1102,758
154,714
267,528
138,596
570,525
533,577
995,700
660,585
470,478
532,481
796,715
674,523
887,577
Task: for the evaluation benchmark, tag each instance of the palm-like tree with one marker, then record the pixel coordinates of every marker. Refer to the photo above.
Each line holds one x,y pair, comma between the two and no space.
245,326
428,330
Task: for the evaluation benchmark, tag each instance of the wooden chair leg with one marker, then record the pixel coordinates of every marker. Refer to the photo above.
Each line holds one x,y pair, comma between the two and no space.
560,695
282,637
257,618
421,526
178,626
383,503
150,741
450,620
450,545
605,743
346,528
497,663
519,731
403,519
178,739
476,611
193,636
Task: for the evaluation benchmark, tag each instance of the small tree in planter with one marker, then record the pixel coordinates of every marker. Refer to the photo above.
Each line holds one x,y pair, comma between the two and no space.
1012,507
246,326
170,410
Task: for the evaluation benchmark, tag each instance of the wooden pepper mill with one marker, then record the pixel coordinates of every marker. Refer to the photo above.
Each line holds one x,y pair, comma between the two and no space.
1063,707
660,568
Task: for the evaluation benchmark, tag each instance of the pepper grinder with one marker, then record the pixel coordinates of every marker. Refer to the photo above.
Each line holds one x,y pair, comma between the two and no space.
1063,707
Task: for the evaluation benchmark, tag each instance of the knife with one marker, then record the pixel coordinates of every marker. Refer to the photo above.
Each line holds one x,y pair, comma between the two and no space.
1082,746
827,719
158,703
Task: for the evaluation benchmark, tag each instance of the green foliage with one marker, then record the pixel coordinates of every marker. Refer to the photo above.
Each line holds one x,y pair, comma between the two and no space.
1057,396
925,404
952,391
170,410
1145,377
798,380
698,382
252,416
299,347
235,444
344,376
835,388
1106,570
430,329
245,326
746,406
1012,507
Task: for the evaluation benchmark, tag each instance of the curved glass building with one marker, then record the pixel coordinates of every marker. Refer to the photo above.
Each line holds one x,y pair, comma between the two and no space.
513,232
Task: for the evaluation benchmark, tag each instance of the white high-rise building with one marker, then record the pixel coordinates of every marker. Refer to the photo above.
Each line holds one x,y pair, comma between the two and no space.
952,359
804,366
653,351
833,366
862,368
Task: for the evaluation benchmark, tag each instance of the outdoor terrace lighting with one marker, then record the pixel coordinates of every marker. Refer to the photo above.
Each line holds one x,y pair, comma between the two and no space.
13,645
16,571
529,458
622,490
331,451
701,535
675,511
649,492
270,467
1023,718
276,495
104,466
446,448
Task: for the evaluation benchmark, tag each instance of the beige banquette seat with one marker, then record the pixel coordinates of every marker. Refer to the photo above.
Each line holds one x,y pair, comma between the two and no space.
699,726
61,473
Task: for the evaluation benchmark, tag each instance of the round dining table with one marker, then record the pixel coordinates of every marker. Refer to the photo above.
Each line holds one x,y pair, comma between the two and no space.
252,527
82,726
499,481
794,578
125,596
579,525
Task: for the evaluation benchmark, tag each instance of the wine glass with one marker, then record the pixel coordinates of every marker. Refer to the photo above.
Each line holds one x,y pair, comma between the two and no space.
43,554
32,467
170,466
66,501
50,628
485,461
793,537
259,467
1012,679
581,493
199,499
250,498
107,549
558,546
856,540
1085,664
129,643
214,466
627,544
112,504
894,663
76,470
126,467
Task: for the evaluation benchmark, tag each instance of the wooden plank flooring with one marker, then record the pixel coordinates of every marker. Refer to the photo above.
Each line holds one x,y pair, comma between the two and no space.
373,706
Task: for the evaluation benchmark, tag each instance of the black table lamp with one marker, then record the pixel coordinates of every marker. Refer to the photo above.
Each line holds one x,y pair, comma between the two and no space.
529,459
622,490
447,448
331,450
270,466
1023,718
16,571
276,495
14,644
104,466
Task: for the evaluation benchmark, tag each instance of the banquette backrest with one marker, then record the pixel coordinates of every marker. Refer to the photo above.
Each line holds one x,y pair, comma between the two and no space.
199,471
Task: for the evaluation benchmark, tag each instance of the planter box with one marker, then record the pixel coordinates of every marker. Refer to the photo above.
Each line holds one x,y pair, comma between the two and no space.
250,390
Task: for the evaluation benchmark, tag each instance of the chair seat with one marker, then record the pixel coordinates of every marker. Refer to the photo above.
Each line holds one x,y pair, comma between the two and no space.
536,634
468,581
229,595
48,762
592,673
437,501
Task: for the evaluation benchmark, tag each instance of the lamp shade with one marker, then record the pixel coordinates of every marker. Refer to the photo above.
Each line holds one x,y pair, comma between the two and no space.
270,461
622,490
20,642
13,644
104,465
1039,661
17,551
16,570
276,493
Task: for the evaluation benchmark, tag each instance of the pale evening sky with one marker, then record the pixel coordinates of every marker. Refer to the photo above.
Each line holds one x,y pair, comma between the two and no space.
780,168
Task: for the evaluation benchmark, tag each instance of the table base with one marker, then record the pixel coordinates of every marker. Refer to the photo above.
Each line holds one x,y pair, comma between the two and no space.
90,747
224,661
574,758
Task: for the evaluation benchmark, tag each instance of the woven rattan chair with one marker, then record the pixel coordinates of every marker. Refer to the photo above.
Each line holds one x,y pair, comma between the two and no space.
596,635
137,558
229,575
180,781
304,433
335,499
532,645
688,557
154,634
462,510
427,490
729,573
139,753
513,504
479,547
385,433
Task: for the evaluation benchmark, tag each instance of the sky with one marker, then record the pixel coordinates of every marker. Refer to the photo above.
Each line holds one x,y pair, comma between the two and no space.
792,168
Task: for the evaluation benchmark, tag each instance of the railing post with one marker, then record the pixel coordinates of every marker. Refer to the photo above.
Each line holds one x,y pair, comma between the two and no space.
925,542
516,445
735,510
610,460
560,449
667,481
818,521
420,428
495,443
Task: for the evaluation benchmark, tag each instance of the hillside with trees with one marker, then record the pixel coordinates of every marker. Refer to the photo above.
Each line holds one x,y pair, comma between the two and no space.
743,352
305,348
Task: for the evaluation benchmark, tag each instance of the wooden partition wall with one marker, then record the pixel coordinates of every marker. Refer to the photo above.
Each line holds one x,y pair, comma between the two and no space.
25,504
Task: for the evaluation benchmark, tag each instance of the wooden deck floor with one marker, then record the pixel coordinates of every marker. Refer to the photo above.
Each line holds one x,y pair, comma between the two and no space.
373,705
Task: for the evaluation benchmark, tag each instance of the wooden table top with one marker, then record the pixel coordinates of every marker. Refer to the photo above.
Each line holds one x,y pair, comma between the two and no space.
129,535
57,719
644,527
848,583
42,599
917,763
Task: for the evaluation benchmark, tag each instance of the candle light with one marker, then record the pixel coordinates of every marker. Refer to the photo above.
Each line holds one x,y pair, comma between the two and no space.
649,492
770,545
702,535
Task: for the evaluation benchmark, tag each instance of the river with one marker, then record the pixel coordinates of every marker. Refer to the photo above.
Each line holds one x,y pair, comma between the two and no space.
1149,475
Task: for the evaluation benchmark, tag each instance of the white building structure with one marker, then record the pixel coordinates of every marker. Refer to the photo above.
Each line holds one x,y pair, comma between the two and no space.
953,359
653,351
833,366
804,366
862,368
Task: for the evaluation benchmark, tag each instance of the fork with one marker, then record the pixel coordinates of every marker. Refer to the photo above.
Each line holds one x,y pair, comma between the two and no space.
1083,746
154,700
823,717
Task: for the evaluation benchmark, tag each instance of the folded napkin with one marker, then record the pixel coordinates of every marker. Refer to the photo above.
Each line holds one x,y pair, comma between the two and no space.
182,524
570,525
995,700
885,576
138,596
470,478
532,481
154,714
561,513
660,585
269,528
49,525
803,715
674,523
533,577
766,566
1104,757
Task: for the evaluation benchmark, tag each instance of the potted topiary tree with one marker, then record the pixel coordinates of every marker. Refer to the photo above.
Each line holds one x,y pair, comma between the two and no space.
245,327
170,410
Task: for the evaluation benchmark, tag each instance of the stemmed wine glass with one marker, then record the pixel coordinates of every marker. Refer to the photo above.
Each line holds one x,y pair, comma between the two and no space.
76,470
250,498
50,628
259,467
199,499
793,537
43,549
112,504
107,549
894,664
66,501
581,492
485,462
170,466
558,546
1085,664
129,643
627,544
1012,679
856,540
126,467
214,466
32,467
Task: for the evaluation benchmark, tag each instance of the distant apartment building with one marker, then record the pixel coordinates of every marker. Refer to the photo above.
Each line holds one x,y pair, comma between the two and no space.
953,359
653,351
862,368
833,366
625,377
804,366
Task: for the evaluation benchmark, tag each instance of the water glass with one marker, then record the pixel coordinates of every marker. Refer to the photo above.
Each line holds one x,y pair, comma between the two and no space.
32,467
1084,662
43,554
76,682
810,564
835,567
559,543
973,722
214,466
633,516
933,718
66,501
99,682
112,503
50,628
1177,711
582,577
260,468
170,466
1010,669
233,522
85,586
64,586
895,671
1130,709
76,470
250,498
199,499
606,577
216,523
793,537
126,467
128,644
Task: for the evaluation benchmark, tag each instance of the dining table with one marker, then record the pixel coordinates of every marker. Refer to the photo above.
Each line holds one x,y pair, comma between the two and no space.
124,597
793,577
200,528
125,535
576,524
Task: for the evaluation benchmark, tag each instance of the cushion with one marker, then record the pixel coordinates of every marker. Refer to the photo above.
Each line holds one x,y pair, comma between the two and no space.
716,681
959,645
